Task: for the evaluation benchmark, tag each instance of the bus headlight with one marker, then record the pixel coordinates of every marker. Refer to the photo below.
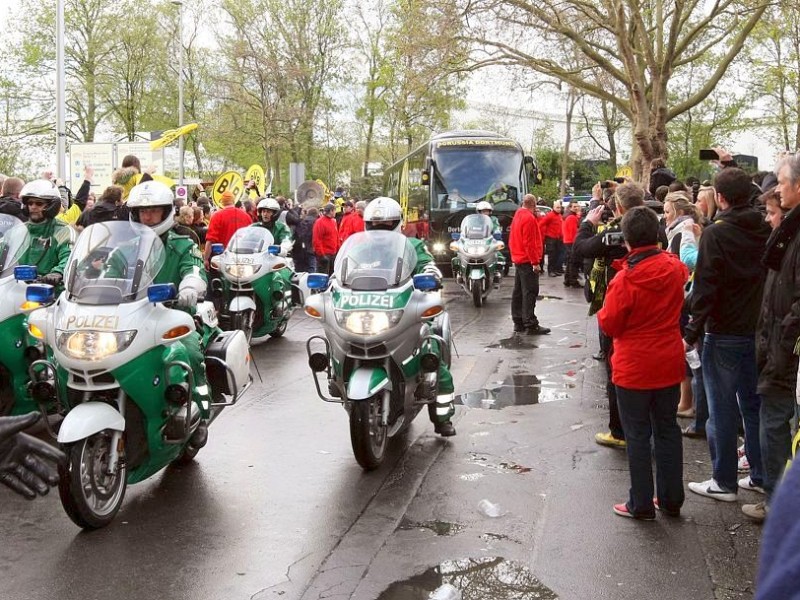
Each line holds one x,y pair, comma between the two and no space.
439,248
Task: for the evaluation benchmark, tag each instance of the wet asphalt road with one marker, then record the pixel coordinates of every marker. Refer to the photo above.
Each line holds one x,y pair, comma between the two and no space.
276,507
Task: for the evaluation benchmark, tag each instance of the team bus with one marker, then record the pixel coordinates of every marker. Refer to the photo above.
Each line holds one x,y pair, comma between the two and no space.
442,181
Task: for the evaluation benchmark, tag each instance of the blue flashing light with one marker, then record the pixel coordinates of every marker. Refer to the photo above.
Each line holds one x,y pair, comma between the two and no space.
217,249
40,292
274,250
497,235
161,292
317,281
26,273
455,236
425,282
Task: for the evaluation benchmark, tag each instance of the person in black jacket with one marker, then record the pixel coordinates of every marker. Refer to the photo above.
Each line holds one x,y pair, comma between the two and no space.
10,203
659,175
106,208
777,333
726,300
595,243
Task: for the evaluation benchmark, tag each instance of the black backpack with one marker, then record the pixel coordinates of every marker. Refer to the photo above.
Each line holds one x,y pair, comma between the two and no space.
303,231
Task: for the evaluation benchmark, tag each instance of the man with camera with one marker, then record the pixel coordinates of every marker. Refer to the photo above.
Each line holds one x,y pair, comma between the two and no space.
604,244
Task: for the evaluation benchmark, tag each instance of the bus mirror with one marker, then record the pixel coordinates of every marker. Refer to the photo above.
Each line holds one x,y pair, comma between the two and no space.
529,160
426,171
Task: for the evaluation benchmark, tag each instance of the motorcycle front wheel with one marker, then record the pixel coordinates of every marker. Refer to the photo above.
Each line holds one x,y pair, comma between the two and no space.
90,495
244,321
477,293
280,329
367,435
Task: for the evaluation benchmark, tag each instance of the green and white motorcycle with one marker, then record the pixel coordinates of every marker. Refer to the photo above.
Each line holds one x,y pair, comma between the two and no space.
478,263
118,363
386,332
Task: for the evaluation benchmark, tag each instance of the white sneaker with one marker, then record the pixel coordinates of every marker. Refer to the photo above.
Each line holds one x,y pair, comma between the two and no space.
711,489
747,484
744,465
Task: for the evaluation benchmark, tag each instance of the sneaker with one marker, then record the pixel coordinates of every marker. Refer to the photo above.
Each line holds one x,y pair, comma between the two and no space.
757,512
622,511
538,330
744,465
691,432
606,439
747,484
711,489
669,513
601,355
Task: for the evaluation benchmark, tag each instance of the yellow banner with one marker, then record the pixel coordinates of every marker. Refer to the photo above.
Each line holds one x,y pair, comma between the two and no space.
256,173
230,181
171,135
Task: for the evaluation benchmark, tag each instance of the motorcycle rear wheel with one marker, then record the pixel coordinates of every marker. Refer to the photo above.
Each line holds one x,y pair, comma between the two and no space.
477,293
90,496
368,437
280,329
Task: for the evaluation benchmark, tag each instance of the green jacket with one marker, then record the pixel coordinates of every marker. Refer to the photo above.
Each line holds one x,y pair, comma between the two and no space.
279,231
424,258
51,243
183,258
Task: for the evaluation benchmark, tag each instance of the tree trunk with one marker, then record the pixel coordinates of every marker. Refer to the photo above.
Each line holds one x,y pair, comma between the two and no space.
571,100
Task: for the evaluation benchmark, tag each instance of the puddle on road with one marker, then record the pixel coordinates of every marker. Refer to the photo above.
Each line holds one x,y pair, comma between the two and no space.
438,527
516,390
486,578
484,460
515,342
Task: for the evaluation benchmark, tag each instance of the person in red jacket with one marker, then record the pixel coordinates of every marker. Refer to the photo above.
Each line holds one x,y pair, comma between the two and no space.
551,228
570,229
325,239
525,244
353,219
223,224
642,315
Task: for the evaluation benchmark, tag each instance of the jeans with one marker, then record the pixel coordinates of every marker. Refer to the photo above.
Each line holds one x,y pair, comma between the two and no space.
646,414
776,415
729,369
523,298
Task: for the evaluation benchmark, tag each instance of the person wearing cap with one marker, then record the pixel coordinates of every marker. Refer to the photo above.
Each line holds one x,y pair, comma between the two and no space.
223,224
339,198
353,220
325,239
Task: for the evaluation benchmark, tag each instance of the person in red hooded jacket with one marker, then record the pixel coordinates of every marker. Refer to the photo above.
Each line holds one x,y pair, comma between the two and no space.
642,315
325,239
353,219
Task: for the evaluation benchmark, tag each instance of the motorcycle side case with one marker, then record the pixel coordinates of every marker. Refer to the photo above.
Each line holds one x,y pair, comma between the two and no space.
231,348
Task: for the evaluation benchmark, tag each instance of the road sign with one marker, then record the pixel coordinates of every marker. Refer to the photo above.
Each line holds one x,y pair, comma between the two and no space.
182,192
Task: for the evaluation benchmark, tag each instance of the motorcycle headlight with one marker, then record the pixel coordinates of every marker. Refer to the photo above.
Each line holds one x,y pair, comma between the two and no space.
368,322
93,345
438,248
476,250
241,271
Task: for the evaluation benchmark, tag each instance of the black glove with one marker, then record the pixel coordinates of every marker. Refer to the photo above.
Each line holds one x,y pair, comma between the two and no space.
53,279
24,460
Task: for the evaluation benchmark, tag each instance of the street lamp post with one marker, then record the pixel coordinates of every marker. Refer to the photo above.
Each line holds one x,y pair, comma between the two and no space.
179,4
61,135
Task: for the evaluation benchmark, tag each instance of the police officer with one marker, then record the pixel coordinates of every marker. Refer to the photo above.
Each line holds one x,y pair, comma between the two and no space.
268,217
151,204
385,214
51,238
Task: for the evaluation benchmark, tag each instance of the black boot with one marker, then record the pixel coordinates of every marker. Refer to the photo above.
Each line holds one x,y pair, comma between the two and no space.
445,429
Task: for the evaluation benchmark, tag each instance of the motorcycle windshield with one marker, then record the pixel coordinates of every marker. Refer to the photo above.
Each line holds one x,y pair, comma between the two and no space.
250,240
113,263
14,241
375,260
476,227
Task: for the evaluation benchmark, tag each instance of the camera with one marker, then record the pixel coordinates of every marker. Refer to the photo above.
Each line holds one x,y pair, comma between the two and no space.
613,239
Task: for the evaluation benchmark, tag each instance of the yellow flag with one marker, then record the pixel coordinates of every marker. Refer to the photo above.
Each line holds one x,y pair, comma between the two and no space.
171,135
71,214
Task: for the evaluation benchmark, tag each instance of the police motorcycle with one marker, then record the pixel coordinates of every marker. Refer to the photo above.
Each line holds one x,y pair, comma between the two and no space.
118,366
17,350
386,332
476,267
255,284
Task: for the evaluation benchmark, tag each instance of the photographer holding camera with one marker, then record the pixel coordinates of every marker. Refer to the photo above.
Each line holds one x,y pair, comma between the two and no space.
604,243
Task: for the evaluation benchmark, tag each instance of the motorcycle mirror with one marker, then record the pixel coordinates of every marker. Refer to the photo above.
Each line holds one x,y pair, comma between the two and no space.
214,262
317,281
41,292
217,249
455,236
161,292
274,250
425,282
497,235
26,273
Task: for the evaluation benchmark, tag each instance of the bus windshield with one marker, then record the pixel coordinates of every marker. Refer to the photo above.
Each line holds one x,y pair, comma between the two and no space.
466,175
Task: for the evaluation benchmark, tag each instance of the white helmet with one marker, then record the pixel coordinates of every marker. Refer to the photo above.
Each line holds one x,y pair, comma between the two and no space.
152,194
44,190
269,204
484,205
383,213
